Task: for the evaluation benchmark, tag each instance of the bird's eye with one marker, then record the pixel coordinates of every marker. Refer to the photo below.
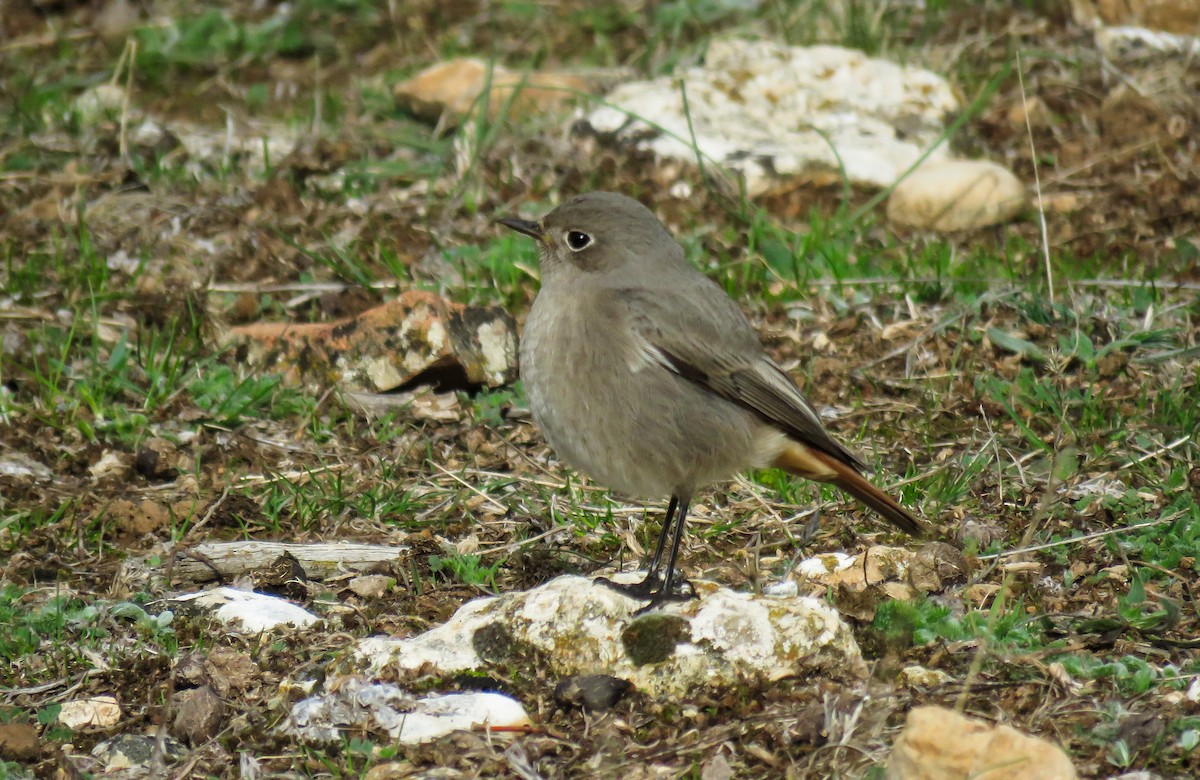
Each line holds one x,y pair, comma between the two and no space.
578,240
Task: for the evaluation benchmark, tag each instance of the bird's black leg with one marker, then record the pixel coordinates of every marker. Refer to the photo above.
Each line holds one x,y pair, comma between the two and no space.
654,587
674,587
656,559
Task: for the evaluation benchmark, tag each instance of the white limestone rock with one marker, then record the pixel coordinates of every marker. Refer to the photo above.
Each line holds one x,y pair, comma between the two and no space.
572,626
775,112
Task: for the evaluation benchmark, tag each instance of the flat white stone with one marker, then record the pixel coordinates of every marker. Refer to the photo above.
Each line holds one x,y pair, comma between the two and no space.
18,464
781,589
248,611
875,565
252,147
828,563
354,703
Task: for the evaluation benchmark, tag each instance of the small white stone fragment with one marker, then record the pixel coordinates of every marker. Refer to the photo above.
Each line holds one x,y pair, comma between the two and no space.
99,101
94,711
821,565
248,611
782,589
680,190
1134,44
371,586
354,703
435,716
920,677
111,462
148,133
447,648
18,464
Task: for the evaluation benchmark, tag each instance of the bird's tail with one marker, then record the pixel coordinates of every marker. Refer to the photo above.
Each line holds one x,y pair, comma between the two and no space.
811,463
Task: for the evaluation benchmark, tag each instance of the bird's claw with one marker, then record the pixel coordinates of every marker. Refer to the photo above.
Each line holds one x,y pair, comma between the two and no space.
651,589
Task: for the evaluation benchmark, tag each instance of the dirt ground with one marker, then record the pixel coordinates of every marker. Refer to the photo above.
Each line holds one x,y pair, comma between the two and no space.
129,432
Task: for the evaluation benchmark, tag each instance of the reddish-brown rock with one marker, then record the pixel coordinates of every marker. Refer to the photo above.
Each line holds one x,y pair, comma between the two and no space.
18,742
1174,16
199,715
417,337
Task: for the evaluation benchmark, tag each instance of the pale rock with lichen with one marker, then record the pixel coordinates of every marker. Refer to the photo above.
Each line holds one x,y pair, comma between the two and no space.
573,626
774,112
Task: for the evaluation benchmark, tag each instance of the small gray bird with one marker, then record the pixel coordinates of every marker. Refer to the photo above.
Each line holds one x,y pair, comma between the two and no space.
644,375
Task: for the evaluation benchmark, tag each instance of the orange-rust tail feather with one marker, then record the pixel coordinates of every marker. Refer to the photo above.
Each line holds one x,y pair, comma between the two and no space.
813,464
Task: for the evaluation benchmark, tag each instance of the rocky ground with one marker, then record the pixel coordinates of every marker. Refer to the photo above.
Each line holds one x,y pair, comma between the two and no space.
170,173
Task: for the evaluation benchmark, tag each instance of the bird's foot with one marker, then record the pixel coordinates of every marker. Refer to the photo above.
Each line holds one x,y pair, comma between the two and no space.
651,589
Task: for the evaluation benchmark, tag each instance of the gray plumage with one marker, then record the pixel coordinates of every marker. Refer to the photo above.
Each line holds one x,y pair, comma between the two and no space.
643,374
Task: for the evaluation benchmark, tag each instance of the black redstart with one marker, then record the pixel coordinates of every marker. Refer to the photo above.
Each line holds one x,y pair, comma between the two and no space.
644,375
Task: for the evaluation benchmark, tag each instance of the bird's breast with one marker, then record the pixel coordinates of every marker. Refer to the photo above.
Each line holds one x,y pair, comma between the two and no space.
570,368
627,422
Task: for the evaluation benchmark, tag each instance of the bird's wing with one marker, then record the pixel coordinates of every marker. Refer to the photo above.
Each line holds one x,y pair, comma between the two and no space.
712,344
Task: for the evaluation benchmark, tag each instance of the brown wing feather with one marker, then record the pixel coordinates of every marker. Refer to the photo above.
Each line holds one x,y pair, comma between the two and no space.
819,466
712,344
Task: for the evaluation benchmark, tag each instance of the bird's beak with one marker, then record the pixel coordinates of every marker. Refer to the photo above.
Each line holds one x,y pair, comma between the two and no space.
531,229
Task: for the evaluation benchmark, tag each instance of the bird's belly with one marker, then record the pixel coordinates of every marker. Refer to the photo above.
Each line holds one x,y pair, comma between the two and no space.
644,432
